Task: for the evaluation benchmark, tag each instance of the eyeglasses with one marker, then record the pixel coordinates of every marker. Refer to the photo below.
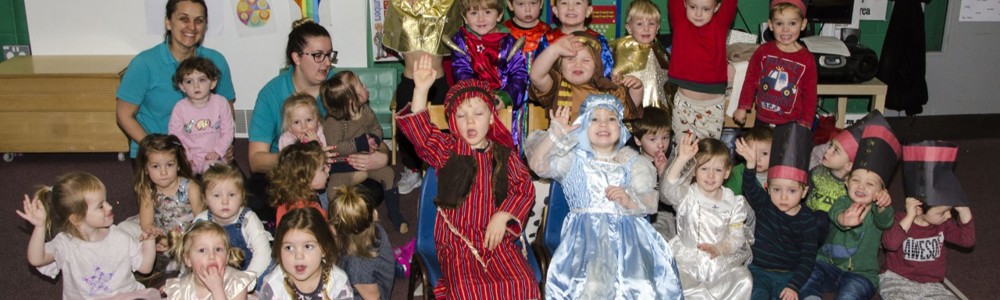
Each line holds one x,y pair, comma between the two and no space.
320,56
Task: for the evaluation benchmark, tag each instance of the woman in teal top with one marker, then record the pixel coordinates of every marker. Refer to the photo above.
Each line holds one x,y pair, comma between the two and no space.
146,95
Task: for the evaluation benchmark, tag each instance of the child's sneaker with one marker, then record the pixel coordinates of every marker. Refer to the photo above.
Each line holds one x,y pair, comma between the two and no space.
408,181
403,256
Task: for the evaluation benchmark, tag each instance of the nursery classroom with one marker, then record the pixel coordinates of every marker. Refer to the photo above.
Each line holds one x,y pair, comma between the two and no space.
962,106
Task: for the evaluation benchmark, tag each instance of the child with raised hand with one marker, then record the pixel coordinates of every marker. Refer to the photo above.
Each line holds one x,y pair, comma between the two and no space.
784,248
211,266
713,240
781,78
567,72
484,196
525,23
609,189
203,121
225,198
847,263
169,196
573,15
698,65
305,250
300,122
916,258
303,170
351,127
640,59
365,253
86,243
414,28
758,138
826,181
652,135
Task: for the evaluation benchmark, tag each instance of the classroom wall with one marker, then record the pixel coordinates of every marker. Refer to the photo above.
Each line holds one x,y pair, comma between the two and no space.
962,77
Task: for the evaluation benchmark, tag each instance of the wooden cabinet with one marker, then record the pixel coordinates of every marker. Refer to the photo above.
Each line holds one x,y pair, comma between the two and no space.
61,104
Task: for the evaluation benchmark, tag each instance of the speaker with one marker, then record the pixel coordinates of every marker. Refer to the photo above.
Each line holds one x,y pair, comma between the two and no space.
850,36
861,66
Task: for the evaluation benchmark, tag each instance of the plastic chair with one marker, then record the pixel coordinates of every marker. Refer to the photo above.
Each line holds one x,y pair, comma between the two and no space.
381,83
425,266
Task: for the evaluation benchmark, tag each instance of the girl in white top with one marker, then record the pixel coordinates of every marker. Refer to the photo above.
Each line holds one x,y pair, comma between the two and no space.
713,240
207,258
225,196
306,252
96,258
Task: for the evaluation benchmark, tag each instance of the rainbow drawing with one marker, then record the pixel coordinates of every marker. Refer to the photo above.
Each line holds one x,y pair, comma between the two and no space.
309,8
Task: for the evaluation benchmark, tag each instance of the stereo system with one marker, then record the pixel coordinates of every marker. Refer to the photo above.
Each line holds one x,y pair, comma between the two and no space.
861,66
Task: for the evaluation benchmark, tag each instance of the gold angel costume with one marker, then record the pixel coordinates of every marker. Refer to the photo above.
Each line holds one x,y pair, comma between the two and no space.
420,25
648,62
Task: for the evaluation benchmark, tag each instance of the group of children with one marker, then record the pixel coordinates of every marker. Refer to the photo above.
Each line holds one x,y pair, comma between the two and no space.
712,234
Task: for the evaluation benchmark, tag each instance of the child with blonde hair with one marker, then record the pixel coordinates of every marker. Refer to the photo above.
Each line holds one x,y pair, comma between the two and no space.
365,253
484,196
712,245
699,66
225,198
303,170
86,243
211,266
351,127
300,121
640,59
204,122
305,250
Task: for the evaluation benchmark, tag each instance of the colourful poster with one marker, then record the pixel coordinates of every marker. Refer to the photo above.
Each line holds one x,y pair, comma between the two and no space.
317,10
377,10
253,17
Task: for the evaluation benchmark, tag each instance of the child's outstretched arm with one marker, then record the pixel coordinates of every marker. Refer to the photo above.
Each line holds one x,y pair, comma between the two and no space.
34,212
540,79
431,144
423,77
147,249
670,186
547,150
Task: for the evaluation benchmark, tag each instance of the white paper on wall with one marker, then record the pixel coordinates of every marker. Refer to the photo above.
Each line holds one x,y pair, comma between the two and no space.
979,11
873,9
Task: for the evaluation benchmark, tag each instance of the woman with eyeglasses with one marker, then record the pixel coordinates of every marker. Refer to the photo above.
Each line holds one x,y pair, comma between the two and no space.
309,57
147,95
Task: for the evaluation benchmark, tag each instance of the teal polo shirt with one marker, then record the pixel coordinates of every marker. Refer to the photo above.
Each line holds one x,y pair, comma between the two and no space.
148,83
265,125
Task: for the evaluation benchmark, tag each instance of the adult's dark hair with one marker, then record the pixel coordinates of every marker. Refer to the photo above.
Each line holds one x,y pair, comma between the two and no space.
172,7
302,29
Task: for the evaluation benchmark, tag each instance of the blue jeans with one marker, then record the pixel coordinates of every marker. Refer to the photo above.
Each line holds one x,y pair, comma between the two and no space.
828,278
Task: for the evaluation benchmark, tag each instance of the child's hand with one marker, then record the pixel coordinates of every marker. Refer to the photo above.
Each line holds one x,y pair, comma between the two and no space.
618,195
748,152
307,136
567,47
372,145
740,117
710,249
789,294
631,82
211,277
687,147
882,199
212,156
660,162
33,211
496,229
424,74
150,234
913,207
964,214
560,119
854,214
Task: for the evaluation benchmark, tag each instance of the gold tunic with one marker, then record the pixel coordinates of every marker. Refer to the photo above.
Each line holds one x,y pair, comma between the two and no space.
650,67
420,25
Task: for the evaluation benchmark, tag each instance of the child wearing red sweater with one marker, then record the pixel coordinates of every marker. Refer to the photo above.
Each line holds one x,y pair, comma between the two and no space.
698,64
781,78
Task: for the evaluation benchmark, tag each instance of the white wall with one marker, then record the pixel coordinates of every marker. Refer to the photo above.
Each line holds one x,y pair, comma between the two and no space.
119,27
964,78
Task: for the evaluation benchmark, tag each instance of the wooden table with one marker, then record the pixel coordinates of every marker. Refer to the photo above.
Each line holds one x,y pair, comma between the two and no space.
60,104
872,88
